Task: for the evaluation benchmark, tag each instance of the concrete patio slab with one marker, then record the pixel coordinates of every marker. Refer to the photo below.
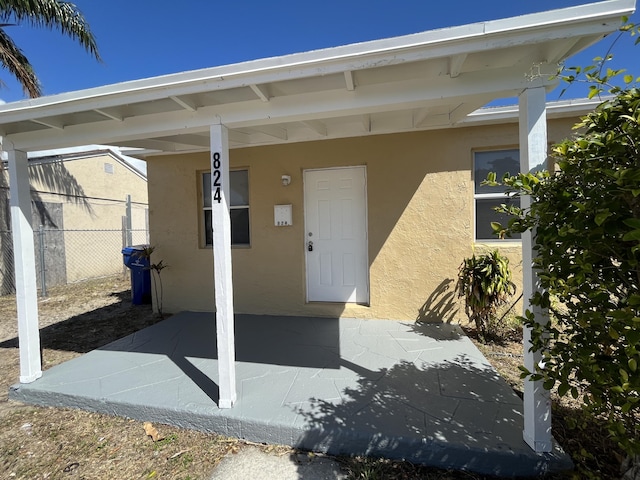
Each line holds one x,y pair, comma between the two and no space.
399,390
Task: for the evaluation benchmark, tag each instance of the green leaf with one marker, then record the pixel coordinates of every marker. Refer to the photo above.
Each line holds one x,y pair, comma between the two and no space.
633,235
602,216
632,222
563,388
624,375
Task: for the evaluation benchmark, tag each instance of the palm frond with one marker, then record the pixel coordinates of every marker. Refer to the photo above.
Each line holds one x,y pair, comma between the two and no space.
54,15
12,58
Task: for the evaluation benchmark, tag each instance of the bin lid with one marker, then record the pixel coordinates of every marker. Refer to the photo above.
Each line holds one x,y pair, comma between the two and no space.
134,248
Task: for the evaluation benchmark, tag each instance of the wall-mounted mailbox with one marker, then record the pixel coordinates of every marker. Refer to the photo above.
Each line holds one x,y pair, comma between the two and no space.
282,215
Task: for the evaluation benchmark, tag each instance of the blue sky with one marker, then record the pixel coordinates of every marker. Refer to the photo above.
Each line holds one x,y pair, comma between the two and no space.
145,38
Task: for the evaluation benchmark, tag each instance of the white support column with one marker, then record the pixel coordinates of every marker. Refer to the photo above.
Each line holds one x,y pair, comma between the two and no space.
220,202
533,156
25,267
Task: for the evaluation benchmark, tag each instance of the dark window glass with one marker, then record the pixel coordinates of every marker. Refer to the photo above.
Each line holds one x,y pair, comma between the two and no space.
500,162
486,197
239,213
485,214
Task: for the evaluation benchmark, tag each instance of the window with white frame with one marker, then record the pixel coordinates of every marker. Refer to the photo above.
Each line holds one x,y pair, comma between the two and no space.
488,197
239,208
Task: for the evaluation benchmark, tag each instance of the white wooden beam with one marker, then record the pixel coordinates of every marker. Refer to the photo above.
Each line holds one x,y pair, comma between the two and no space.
455,64
188,139
561,50
366,122
223,283
25,267
261,92
348,79
186,104
291,108
459,113
317,126
272,131
49,124
420,115
533,156
239,137
110,115
152,144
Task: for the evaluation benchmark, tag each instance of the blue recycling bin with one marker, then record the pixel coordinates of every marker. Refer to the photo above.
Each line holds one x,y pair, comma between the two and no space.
140,274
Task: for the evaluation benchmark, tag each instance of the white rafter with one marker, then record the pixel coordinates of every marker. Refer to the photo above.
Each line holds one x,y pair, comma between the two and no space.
261,92
272,131
239,137
48,123
420,115
455,64
348,79
112,116
293,108
366,122
317,126
186,104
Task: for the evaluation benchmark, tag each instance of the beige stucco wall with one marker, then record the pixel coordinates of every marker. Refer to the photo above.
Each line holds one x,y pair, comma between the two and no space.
93,199
420,222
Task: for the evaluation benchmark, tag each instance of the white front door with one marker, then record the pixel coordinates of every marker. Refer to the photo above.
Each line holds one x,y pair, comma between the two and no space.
336,235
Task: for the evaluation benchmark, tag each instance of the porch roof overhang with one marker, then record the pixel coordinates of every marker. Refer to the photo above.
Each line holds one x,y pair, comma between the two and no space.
428,80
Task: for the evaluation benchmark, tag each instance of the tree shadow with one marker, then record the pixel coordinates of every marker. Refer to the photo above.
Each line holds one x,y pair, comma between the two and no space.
440,306
453,414
52,176
55,177
96,328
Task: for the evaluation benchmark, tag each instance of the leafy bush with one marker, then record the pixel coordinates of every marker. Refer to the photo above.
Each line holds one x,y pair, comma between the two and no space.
586,219
485,283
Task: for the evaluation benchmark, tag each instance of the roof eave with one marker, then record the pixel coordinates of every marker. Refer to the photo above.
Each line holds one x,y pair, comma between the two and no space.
601,16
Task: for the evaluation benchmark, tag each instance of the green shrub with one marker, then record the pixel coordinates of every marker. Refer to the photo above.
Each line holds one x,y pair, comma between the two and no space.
485,283
586,219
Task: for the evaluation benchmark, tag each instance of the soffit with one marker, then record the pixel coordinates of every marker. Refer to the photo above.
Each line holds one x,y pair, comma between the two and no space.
423,81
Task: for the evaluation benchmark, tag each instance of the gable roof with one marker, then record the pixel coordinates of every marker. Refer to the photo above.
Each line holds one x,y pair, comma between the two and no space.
89,151
433,79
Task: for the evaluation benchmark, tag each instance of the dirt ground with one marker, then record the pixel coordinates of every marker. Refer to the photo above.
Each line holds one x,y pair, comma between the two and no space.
53,443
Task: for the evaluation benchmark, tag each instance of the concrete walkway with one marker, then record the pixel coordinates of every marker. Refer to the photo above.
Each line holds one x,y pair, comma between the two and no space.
423,393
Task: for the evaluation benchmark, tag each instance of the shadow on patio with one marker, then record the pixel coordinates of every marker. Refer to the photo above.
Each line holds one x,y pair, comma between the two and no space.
343,386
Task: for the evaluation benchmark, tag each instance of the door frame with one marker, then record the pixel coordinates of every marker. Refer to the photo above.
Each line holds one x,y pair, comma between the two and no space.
366,231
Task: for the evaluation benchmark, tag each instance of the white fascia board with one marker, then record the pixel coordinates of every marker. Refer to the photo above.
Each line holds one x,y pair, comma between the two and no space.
612,8
310,106
590,19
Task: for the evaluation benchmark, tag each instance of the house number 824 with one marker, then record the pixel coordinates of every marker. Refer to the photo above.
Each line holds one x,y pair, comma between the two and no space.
215,178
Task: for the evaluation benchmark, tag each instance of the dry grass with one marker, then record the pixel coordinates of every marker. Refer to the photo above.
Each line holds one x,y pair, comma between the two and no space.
52,443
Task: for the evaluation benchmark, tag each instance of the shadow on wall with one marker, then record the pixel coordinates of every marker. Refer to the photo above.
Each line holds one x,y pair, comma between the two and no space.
440,306
55,177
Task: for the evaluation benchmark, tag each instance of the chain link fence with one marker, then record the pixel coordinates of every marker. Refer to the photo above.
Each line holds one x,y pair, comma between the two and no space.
69,256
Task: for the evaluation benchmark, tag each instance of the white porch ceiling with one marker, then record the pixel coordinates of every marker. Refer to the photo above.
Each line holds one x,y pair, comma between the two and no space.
423,81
